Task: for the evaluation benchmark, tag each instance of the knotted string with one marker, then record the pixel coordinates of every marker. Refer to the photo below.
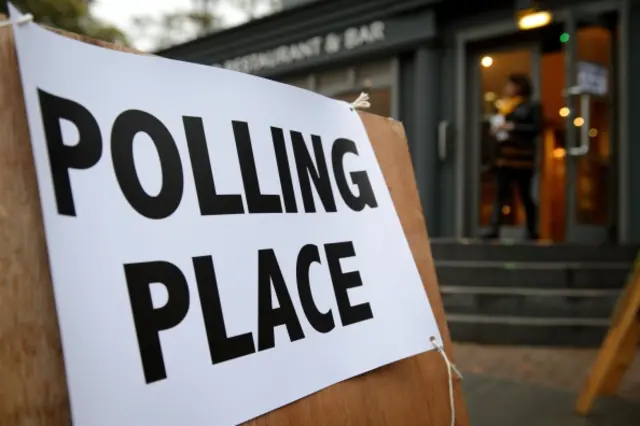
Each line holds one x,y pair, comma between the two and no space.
21,20
362,102
450,367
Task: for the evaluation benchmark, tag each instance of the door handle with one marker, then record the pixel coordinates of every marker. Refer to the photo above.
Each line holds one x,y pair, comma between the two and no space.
443,135
585,112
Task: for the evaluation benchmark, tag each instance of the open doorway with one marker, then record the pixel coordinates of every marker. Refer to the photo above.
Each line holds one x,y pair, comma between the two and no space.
573,186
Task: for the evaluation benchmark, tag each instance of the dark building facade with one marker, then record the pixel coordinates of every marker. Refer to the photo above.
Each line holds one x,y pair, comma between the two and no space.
439,66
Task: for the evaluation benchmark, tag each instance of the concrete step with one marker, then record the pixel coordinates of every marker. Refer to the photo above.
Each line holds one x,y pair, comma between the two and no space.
530,293
510,330
505,251
529,302
565,275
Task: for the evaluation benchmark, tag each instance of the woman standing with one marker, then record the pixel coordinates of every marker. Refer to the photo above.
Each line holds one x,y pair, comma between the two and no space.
516,129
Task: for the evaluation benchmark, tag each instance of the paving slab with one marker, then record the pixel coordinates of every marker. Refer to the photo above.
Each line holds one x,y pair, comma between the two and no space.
493,401
561,368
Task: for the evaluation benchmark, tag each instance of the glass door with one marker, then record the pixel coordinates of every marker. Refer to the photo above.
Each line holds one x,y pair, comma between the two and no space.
589,115
491,69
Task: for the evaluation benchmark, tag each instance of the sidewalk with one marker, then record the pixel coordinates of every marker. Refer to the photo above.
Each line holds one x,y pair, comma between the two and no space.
524,386
499,402
559,368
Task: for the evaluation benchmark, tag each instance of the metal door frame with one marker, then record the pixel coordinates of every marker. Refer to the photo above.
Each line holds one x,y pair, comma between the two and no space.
463,164
576,232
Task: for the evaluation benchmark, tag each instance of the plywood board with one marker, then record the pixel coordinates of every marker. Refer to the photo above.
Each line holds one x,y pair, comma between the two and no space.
33,392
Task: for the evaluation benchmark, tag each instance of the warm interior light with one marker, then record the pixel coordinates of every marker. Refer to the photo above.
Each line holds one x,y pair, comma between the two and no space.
559,153
487,61
593,133
490,97
564,112
534,19
578,121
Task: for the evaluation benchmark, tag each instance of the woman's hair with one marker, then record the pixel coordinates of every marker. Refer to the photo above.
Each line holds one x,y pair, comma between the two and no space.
523,84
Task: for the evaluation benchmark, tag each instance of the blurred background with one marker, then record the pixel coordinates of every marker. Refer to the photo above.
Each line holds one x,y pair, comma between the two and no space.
527,310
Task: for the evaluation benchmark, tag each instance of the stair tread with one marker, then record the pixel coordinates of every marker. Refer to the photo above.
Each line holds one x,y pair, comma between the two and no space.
527,321
557,265
541,244
540,253
526,291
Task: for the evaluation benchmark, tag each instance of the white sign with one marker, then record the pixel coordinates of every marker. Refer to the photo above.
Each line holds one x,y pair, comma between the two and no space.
592,78
220,245
329,44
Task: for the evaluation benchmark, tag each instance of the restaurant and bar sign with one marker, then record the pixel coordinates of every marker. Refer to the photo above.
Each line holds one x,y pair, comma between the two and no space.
328,44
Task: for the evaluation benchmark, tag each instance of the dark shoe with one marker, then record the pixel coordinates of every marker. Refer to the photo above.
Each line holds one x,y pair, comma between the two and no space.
493,235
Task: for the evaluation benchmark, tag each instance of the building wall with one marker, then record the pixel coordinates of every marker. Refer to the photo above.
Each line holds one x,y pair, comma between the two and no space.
446,153
405,86
426,104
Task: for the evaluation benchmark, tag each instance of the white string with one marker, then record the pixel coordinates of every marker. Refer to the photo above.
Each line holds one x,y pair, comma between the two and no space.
450,367
362,102
21,20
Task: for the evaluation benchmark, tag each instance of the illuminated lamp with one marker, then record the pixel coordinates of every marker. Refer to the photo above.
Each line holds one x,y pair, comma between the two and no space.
533,18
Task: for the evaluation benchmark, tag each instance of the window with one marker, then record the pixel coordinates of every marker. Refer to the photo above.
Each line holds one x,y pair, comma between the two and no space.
346,84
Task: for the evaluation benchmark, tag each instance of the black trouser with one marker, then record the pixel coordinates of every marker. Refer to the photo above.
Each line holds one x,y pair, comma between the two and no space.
506,177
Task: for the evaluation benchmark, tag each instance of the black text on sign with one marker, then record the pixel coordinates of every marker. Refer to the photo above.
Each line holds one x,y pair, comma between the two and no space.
312,169
312,173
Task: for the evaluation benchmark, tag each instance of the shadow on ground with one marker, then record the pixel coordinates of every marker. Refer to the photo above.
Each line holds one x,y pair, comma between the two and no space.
499,402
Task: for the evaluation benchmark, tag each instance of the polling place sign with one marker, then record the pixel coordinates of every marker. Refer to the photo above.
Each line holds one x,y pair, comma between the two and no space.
220,245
